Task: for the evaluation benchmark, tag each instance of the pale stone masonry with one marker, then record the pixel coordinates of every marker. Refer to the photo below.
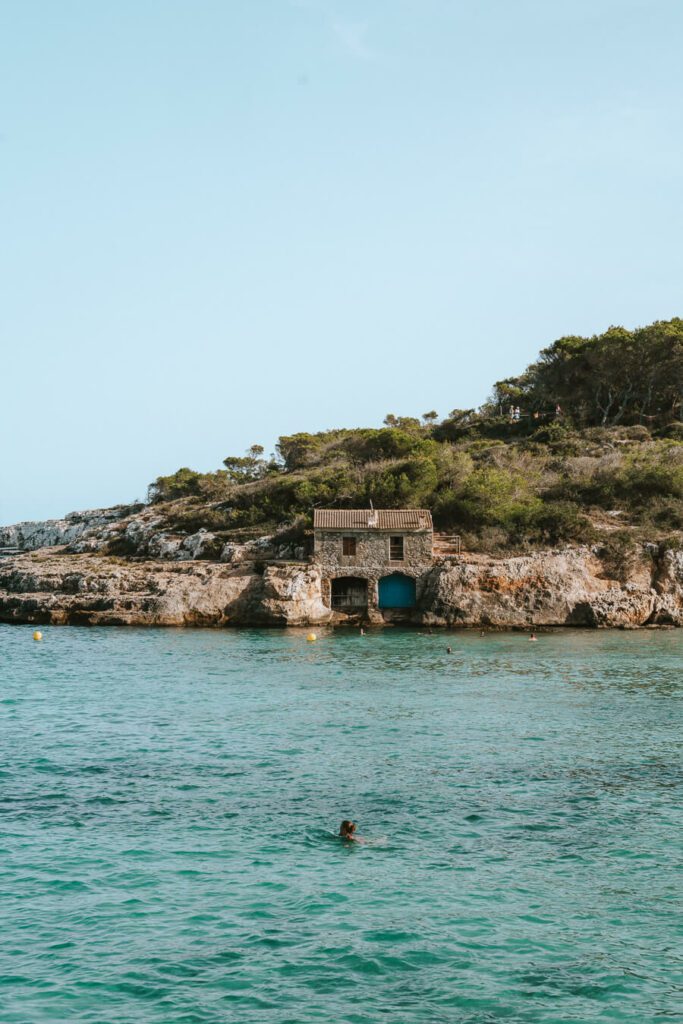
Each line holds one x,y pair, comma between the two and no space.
372,559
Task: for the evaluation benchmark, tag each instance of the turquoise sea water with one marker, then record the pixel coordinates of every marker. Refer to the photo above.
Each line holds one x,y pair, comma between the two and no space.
168,800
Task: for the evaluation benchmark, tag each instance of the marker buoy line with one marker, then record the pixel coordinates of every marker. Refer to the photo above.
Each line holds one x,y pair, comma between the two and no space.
37,635
311,638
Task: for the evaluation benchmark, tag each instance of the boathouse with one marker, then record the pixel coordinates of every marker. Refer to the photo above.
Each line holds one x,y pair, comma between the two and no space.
372,560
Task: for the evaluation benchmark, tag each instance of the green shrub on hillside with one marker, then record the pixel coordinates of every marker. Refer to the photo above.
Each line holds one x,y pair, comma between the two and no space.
620,554
617,377
181,484
599,430
408,484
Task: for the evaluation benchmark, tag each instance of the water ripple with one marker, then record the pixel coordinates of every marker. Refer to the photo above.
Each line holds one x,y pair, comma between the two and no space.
169,802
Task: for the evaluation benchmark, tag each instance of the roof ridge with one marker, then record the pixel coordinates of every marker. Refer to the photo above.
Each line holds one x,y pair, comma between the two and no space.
372,519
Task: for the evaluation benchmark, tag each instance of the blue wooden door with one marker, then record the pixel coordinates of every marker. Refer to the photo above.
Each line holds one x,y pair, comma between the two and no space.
397,591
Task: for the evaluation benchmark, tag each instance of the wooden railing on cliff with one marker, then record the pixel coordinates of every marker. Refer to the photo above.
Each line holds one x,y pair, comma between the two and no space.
446,545
8,552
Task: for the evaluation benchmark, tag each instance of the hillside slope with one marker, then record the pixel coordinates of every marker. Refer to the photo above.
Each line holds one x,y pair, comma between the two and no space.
587,441
566,489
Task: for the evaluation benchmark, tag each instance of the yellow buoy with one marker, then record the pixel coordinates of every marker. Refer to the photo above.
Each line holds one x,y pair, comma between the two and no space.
311,638
37,635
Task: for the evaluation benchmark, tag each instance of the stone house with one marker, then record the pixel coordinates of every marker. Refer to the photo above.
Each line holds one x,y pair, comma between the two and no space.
372,560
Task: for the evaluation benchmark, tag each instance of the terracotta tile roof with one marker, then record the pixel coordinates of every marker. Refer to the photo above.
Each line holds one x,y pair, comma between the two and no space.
366,519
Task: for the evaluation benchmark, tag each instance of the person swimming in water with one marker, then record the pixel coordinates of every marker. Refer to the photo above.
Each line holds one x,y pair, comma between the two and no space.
347,830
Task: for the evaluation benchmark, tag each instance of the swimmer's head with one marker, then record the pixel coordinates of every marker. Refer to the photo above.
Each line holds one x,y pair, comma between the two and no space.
347,828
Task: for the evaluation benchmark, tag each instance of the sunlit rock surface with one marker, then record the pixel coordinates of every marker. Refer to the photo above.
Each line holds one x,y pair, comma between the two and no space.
565,587
58,587
121,566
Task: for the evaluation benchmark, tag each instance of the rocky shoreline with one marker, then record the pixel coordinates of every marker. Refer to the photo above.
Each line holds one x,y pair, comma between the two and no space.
65,573
549,588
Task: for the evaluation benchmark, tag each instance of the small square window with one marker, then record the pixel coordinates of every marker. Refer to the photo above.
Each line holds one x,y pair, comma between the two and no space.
396,549
348,545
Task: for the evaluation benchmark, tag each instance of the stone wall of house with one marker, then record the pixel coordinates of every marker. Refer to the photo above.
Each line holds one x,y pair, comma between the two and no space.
372,553
372,559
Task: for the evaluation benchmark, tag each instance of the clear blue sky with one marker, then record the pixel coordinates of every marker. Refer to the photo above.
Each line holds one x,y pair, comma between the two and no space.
222,220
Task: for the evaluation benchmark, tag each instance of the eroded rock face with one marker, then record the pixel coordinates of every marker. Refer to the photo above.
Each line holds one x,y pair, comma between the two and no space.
70,529
59,588
552,588
136,531
199,579
668,583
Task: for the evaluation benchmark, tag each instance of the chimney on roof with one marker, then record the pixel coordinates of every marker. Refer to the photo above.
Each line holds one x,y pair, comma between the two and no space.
372,516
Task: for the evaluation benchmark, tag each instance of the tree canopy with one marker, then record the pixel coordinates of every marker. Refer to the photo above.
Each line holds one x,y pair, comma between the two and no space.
620,376
591,430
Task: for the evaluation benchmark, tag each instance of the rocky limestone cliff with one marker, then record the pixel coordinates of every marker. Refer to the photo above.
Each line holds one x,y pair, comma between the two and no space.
57,587
554,588
123,565
138,531
551,588
72,528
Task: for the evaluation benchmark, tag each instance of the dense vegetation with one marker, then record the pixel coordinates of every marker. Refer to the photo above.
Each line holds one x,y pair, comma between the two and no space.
617,377
587,442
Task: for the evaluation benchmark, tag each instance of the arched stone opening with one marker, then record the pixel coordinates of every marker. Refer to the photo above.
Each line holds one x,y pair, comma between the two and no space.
349,594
